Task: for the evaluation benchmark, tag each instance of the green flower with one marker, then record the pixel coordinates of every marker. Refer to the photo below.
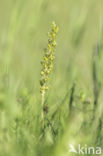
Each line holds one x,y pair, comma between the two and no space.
47,65
48,58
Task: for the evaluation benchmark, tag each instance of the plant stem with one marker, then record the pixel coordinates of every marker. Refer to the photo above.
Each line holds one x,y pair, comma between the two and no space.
71,97
42,114
96,83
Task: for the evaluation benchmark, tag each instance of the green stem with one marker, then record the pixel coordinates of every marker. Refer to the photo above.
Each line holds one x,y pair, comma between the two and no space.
42,103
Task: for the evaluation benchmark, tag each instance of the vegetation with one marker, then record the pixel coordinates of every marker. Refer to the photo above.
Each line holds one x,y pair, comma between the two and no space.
48,108
47,66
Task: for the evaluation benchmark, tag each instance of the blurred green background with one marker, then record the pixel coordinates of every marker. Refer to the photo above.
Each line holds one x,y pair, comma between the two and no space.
23,36
23,29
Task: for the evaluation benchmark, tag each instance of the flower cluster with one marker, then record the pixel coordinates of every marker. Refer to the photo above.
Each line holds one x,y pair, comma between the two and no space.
48,58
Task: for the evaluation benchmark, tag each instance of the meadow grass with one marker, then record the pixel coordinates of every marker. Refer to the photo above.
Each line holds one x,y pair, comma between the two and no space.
72,109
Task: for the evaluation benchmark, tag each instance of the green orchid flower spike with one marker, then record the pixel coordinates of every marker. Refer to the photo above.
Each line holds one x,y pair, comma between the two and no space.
48,63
